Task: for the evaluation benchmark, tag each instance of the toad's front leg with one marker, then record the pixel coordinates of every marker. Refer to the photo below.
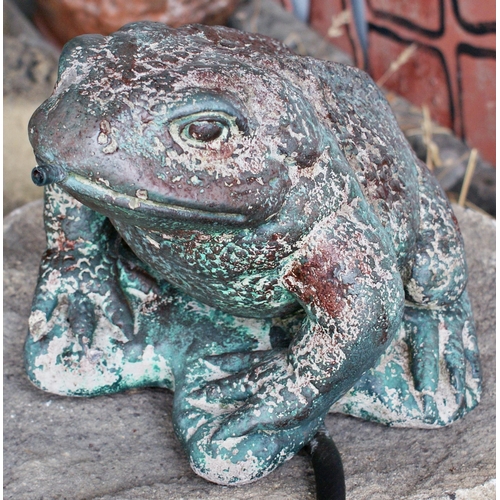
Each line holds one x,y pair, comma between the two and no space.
85,312
346,279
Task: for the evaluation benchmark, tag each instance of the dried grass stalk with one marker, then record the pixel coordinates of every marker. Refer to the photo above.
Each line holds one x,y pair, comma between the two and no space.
403,58
471,166
433,158
335,29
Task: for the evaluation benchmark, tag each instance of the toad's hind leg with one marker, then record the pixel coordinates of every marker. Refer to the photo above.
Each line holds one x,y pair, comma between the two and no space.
430,375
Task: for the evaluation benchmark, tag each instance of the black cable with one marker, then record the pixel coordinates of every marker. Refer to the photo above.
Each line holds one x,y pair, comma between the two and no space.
327,466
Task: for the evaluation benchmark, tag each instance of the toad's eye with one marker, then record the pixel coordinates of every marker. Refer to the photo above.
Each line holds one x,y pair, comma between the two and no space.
203,130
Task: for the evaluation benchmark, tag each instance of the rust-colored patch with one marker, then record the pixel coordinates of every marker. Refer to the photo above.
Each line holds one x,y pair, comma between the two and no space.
314,284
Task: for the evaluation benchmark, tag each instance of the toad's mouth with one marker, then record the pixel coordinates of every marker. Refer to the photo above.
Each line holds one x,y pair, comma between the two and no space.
113,203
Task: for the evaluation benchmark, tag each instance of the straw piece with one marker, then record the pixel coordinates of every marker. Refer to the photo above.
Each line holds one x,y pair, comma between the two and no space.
410,132
403,58
433,158
471,166
335,29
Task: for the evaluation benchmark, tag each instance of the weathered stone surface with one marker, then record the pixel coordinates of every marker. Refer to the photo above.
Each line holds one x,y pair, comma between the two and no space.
122,447
190,141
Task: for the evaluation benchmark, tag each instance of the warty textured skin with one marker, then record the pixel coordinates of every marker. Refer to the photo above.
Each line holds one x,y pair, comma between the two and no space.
250,229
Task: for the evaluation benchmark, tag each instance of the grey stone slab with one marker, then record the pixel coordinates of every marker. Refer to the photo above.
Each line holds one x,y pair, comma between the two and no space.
122,447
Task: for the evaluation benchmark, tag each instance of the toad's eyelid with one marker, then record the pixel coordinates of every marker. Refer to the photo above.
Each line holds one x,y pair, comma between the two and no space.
222,118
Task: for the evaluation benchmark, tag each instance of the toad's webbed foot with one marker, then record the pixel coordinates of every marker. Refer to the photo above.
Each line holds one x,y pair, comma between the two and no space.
83,283
88,328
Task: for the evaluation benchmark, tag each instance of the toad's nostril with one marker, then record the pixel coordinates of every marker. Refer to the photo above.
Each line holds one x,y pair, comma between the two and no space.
43,175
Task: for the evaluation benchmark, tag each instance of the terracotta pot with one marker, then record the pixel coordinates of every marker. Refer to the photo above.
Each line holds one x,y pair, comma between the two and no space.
61,20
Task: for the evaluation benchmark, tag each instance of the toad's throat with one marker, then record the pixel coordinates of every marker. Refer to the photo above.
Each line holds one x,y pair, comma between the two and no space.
105,199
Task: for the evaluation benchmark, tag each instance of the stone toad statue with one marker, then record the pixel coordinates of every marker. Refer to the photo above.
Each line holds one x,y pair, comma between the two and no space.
248,228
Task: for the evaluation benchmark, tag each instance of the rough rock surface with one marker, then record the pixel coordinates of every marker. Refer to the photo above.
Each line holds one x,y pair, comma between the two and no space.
30,69
122,447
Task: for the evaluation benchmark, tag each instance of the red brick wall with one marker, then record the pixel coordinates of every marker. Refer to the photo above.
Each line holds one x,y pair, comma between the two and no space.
453,68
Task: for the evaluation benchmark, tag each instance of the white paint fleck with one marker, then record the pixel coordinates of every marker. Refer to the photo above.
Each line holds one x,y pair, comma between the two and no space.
111,147
134,203
102,138
196,181
153,242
